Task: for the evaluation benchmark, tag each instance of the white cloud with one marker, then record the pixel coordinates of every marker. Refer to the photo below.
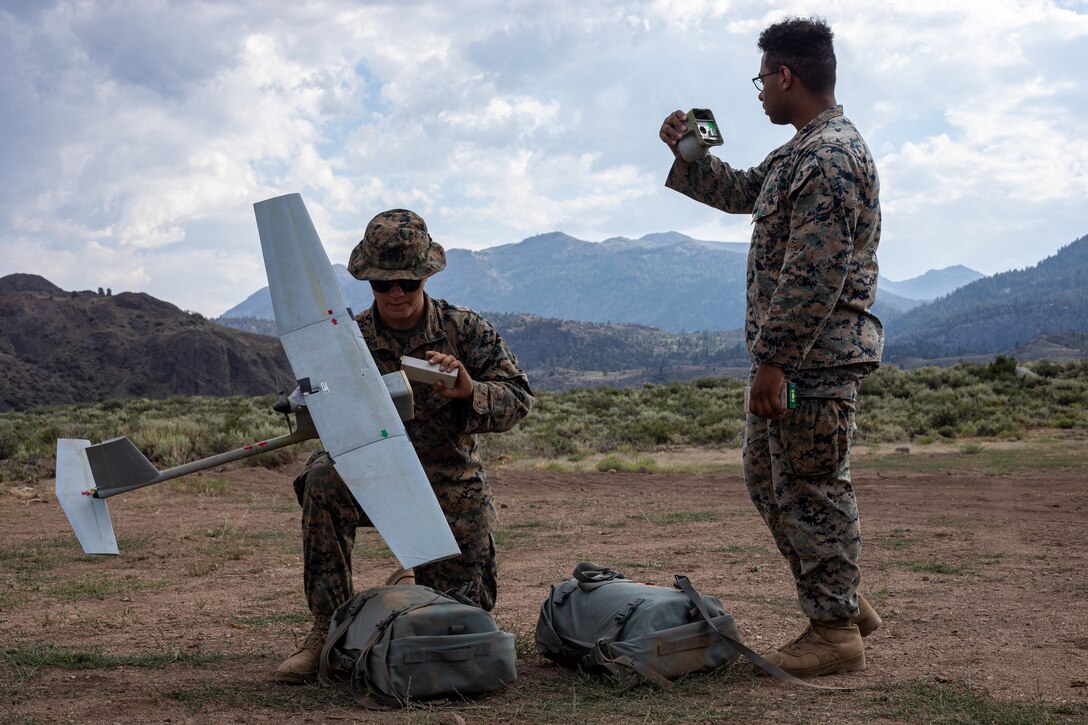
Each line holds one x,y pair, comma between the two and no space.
138,135
522,115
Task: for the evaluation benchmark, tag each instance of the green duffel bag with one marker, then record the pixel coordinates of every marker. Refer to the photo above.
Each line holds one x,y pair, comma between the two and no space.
600,620
410,642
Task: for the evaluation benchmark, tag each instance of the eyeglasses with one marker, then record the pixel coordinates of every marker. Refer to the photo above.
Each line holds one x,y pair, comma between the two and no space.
406,285
758,80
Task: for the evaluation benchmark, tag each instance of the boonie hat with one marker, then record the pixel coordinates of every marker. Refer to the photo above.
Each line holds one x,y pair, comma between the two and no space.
396,245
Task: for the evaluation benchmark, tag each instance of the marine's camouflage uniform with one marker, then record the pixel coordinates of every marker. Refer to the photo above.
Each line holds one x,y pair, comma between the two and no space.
444,435
812,277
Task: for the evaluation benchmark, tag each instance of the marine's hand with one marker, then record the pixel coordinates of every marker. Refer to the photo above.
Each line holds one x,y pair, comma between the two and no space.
765,399
673,129
462,388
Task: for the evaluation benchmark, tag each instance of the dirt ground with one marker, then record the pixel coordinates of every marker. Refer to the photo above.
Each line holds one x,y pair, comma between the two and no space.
981,580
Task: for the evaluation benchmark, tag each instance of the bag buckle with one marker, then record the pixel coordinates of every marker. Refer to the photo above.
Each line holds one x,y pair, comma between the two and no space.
623,614
389,619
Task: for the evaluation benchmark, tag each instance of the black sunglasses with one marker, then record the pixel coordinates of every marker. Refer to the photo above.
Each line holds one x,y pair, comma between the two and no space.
406,285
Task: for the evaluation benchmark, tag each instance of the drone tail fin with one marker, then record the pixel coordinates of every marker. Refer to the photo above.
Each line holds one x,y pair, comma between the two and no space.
118,466
75,490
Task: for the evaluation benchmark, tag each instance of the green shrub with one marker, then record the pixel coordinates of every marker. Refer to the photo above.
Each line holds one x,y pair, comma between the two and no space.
169,432
610,463
952,403
616,463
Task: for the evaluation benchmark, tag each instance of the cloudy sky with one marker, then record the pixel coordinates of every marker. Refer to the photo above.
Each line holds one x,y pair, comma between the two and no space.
137,134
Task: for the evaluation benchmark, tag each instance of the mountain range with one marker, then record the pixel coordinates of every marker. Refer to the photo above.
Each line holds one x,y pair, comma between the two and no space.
936,316
83,347
666,280
931,285
999,312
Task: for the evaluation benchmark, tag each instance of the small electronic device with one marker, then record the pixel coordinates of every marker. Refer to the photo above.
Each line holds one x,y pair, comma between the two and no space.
703,132
422,371
789,397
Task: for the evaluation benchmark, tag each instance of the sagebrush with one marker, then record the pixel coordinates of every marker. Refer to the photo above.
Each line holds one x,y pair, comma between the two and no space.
965,401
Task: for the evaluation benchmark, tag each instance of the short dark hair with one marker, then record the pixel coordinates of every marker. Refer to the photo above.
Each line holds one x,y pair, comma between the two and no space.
804,46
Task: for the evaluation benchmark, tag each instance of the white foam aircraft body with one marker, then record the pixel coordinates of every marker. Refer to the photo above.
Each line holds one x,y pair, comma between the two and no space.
341,398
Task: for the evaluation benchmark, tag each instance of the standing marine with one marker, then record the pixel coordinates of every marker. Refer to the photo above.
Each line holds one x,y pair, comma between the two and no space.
491,393
812,279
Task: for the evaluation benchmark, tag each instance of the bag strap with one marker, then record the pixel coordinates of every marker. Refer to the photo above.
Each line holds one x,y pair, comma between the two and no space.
619,621
468,593
684,585
369,696
599,656
590,573
324,659
612,664
564,591
461,654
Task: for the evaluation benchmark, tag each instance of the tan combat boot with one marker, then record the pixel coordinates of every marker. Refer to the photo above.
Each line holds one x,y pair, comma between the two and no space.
401,576
867,619
301,667
823,648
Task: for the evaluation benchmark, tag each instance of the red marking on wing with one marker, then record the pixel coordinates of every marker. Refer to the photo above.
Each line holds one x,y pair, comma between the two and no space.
262,443
330,312
87,493
334,321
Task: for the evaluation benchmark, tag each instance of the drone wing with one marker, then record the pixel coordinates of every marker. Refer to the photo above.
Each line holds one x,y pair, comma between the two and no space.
344,392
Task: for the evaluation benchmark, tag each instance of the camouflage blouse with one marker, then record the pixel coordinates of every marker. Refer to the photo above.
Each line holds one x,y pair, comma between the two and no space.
444,430
812,268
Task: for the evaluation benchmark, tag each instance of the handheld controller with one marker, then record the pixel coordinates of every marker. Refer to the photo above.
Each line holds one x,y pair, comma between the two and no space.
703,132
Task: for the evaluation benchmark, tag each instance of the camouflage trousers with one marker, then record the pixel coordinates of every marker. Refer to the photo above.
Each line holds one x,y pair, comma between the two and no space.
330,517
797,471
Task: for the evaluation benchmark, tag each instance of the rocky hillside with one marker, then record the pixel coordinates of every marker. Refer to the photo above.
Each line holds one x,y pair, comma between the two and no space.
77,347
561,354
1059,347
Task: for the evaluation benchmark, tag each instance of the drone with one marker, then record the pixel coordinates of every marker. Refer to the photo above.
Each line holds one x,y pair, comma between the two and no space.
340,397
